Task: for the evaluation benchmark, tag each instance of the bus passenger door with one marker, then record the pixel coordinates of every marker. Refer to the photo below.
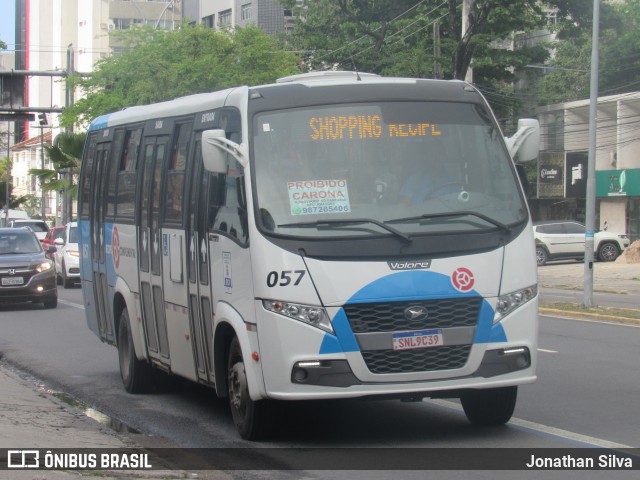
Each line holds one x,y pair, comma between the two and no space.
150,248
200,305
97,214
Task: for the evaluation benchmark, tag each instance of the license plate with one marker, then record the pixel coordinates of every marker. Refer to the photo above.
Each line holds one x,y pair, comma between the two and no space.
418,339
12,281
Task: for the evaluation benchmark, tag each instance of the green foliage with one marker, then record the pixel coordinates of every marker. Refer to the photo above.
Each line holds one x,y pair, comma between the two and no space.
158,65
65,154
619,43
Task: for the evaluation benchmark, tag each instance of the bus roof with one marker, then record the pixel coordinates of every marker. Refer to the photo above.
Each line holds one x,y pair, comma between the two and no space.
442,89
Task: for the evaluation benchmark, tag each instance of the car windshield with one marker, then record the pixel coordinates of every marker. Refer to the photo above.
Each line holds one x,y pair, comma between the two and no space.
73,234
392,168
35,226
15,243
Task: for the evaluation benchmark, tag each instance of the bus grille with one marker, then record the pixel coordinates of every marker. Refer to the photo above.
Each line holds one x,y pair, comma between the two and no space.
389,317
418,360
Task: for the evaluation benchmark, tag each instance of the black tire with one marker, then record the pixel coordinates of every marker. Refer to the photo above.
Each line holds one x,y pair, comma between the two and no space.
136,375
608,252
251,418
493,406
66,283
541,256
51,302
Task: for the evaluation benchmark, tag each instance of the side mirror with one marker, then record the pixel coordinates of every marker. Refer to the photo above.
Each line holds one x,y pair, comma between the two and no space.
525,143
213,155
215,148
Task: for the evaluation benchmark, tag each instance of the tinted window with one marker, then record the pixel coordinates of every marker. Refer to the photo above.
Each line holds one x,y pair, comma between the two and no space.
175,173
554,228
19,242
127,176
573,228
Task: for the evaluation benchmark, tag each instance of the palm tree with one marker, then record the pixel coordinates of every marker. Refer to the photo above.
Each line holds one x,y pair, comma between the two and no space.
65,155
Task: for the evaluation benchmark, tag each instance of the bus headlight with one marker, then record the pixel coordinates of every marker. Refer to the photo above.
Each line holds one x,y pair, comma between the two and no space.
509,302
311,315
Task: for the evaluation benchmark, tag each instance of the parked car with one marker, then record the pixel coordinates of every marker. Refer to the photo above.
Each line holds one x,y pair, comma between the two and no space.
26,275
565,239
39,227
52,235
67,257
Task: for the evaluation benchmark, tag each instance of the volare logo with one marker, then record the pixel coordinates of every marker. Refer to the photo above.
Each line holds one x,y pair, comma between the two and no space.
410,265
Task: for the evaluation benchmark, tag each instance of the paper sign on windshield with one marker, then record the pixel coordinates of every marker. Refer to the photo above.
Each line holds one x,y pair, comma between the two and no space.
308,197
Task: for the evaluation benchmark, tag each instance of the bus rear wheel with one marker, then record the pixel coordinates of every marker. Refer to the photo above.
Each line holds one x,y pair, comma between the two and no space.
493,406
136,375
251,418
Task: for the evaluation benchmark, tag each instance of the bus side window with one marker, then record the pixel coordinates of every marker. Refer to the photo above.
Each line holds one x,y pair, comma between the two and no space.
85,187
127,174
113,173
174,197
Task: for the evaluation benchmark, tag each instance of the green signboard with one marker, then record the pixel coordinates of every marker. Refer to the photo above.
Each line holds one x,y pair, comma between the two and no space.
618,183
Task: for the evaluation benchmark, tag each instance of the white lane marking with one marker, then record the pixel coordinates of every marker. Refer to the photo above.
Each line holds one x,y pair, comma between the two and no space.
72,304
538,427
589,320
547,351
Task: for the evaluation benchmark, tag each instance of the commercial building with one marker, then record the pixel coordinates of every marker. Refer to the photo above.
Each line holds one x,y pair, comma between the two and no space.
562,165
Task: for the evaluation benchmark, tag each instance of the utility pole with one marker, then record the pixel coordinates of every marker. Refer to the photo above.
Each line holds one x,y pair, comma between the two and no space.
42,119
591,162
8,174
437,74
467,5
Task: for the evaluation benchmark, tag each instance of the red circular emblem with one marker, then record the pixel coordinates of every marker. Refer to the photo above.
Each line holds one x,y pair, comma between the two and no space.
462,279
115,247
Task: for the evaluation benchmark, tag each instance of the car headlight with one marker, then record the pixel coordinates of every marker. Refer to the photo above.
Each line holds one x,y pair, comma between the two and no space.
44,266
509,302
73,253
314,316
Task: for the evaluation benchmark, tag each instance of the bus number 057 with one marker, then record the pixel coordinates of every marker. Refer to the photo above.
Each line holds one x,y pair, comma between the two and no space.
284,278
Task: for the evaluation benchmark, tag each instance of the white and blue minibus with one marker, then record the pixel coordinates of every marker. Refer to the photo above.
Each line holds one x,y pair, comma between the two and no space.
331,235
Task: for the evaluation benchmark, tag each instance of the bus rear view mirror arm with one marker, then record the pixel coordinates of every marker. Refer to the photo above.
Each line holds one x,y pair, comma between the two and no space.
215,147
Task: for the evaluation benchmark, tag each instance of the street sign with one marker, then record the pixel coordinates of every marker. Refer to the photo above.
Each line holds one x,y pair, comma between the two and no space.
17,117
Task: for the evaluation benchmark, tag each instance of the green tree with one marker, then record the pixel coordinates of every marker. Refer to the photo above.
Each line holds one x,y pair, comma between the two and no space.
157,65
396,37
568,75
65,155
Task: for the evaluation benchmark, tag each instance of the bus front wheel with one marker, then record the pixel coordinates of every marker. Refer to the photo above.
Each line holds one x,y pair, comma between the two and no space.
251,418
136,375
493,406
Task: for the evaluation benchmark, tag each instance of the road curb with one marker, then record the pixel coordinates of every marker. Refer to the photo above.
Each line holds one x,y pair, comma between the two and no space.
589,315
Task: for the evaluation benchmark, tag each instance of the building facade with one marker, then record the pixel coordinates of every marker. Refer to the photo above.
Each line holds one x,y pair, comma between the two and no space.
562,165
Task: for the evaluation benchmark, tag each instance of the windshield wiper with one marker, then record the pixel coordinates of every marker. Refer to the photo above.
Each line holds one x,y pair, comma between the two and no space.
347,221
429,216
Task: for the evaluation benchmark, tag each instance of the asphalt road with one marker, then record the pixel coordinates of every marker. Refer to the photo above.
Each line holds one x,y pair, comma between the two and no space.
587,395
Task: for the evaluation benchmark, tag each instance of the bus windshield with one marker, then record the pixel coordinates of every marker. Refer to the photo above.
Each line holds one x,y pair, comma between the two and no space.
391,168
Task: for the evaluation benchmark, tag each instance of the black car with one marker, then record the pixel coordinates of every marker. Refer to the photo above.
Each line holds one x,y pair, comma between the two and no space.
26,275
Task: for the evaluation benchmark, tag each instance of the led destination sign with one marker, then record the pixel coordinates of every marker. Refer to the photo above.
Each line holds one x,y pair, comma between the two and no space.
340,127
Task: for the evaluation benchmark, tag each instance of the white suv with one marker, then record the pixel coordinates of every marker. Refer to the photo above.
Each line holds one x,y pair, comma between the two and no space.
67,256
560,239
